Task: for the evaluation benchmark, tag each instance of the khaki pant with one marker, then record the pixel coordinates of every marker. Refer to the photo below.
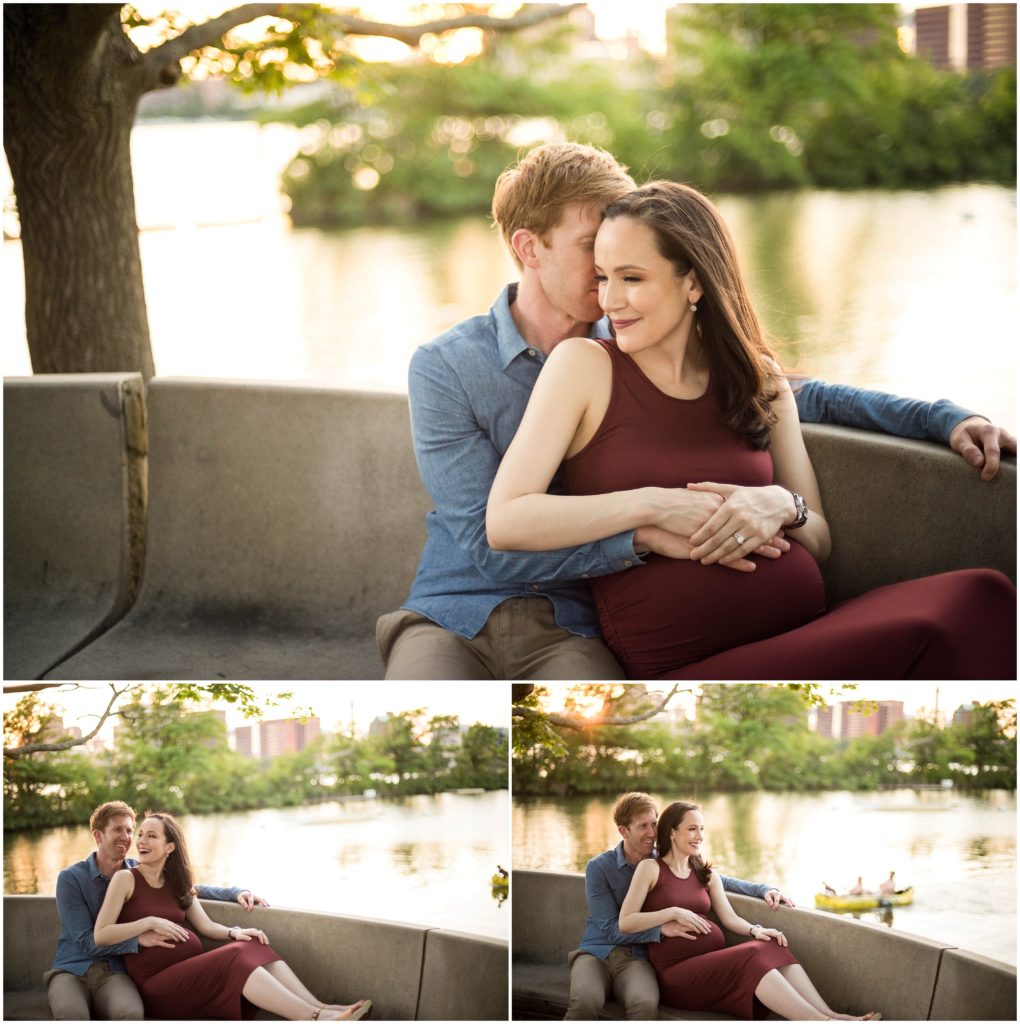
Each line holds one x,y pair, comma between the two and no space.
99,994
520,640
631,982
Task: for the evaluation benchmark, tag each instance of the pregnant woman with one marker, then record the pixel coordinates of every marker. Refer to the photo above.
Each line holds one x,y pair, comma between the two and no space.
180,981
746,980
684,421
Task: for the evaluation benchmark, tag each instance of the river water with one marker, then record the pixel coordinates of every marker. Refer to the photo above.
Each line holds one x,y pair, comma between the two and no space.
958,851
910,292
422,859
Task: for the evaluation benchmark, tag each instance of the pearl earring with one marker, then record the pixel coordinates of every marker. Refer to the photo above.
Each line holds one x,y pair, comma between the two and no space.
694,307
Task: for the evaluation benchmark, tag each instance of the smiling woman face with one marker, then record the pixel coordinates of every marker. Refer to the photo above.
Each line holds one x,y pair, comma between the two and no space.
151,842
688,837
639,289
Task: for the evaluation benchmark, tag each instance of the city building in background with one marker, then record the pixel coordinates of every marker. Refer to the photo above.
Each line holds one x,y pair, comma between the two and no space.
824,721
855,723
965,36
276,736
964,715
379,725
846,722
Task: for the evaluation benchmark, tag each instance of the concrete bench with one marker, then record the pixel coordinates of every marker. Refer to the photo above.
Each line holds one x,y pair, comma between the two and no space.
74,510
903,509
410,972
855,965
283,520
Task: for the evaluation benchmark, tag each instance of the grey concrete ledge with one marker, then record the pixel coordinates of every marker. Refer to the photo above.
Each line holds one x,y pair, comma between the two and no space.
74,512
410,972
283,519
857,966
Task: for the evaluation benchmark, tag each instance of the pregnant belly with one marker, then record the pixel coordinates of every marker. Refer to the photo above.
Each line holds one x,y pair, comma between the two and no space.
671,951
669,612
150,960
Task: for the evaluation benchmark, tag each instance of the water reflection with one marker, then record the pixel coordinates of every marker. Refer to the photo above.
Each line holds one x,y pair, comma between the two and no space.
427,860
957,850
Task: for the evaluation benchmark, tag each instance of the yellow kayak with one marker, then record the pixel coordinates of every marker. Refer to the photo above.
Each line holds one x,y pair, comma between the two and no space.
866,901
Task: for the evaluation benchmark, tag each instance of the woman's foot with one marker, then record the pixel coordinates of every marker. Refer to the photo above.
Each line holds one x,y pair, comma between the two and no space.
847,1016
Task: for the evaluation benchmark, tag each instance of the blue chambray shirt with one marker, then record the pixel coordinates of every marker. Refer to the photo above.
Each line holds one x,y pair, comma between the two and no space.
468,390
606,881
81,890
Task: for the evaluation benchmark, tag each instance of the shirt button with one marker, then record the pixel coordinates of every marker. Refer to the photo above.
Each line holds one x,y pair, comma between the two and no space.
585,575
532,353
627,562
533,588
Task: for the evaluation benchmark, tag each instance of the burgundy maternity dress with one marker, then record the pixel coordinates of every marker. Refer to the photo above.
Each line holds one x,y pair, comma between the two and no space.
676,618
705,974
184,982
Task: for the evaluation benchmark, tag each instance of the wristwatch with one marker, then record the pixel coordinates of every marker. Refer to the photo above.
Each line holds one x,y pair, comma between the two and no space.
802,511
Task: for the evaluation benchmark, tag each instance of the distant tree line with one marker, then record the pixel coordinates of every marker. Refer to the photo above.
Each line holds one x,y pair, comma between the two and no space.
750,97
753,737
178,760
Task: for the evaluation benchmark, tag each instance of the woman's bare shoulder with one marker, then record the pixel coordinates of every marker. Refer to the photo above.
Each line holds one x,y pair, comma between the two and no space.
580,352
123,881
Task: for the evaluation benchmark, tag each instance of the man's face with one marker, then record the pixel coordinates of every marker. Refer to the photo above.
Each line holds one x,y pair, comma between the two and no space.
639,836
566,269
115,840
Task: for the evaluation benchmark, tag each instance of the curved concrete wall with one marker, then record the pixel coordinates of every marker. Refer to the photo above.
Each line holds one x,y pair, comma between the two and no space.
857,966
902,509
410,972
284,519
74,512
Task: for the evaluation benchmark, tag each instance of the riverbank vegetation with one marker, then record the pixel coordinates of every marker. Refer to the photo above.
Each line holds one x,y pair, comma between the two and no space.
749,97
177,759
753,737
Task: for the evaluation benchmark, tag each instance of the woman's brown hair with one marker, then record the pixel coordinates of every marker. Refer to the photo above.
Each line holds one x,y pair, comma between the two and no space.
691,234
668,821
177,869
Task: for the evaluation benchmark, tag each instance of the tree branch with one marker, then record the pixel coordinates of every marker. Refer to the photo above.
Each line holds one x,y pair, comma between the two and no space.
208,33
581,724
39,748
532,14
161,63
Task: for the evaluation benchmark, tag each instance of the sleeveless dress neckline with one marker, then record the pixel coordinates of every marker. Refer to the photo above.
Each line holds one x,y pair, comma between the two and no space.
655,387
683,878
154,888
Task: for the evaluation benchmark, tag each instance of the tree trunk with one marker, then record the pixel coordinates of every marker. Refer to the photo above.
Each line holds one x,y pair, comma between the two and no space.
72,81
